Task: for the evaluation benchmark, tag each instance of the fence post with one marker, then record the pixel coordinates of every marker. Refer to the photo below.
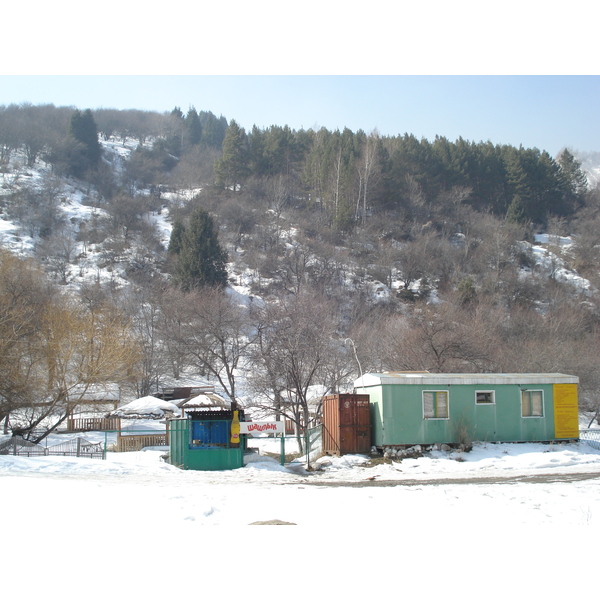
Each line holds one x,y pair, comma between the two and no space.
307,445
78,447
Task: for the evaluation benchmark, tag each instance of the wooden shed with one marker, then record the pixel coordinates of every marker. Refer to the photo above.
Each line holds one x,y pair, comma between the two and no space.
428,408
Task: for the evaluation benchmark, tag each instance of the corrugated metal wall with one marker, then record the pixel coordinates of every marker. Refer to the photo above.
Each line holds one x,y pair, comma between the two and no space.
346,424
400,419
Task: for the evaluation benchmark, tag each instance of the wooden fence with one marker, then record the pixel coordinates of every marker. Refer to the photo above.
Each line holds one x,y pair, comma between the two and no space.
94,424
134,443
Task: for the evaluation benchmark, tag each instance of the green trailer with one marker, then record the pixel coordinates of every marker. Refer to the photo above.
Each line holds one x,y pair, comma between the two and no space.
452,408
206,440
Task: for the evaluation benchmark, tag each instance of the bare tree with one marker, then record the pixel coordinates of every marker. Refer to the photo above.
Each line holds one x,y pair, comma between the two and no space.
327,268
420,257
58,252
76,349
23,296
143,306
126,212
237,217
36,138
216,335
585,363
294,350
53,349
496,254
293,270
174,318
365,172
195,168
439,339
587,241
37,209
9,135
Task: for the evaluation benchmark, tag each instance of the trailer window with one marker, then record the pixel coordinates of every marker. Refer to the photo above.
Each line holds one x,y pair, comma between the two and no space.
485,397
532,403
435,405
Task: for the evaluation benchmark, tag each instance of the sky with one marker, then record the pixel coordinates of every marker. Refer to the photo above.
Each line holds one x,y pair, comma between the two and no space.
510,74
548,112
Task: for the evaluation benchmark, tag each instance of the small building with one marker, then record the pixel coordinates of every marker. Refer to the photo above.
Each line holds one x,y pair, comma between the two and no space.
176,394
206,439
91,402
148,407
429,408
142,423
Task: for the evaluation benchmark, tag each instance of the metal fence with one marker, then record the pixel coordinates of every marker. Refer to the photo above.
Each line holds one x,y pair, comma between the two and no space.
591,437
18,446
314,442
304,448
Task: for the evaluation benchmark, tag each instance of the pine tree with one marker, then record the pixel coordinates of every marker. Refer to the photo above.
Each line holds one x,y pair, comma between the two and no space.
202,261
177,113
175,241
257,161
573,179
82,128
193,127
520,207
517,210
213,129
232,168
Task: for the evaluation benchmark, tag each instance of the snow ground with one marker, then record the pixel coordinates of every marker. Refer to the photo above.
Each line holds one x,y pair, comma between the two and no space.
133,523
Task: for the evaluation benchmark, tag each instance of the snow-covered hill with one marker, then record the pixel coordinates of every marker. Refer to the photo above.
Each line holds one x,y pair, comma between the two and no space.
89,264
590,163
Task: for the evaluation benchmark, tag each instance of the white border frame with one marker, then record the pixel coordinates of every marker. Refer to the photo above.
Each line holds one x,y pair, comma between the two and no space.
492,392
447,392
543,404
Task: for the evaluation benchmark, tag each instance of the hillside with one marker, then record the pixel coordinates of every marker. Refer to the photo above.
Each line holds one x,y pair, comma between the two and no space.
425,276
86,262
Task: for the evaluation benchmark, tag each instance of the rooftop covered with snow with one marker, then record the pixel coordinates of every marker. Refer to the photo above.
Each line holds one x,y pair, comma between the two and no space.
424,378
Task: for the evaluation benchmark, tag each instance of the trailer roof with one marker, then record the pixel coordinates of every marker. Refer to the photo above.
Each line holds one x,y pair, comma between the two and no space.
425,378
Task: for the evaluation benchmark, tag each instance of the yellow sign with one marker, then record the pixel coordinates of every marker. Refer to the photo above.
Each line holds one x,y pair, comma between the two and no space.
566,411
235,428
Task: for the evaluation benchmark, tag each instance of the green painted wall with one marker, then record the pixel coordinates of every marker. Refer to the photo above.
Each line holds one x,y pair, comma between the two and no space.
397,415
182,453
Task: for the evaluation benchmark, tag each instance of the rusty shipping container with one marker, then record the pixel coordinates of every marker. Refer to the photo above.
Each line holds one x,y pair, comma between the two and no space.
346,424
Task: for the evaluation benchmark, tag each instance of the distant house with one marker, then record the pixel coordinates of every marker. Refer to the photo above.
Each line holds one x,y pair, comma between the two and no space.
429,408
95,398
145,423
148,407
175,393
91,404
